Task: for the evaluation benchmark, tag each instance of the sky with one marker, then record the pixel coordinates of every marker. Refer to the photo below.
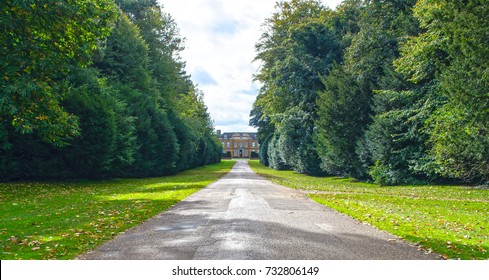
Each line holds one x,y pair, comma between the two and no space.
220,38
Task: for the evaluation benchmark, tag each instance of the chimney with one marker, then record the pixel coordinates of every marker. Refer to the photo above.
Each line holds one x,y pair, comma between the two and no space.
218,132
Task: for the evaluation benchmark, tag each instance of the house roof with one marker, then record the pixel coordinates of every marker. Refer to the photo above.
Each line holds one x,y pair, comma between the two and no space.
238,135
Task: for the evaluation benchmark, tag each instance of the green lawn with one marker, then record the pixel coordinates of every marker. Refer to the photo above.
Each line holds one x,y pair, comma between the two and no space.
450,220
63,220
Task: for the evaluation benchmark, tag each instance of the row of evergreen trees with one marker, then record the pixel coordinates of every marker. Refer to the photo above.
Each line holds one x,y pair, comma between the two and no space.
394,91
96,88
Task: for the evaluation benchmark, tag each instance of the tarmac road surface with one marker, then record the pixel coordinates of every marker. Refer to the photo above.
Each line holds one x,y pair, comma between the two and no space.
242,216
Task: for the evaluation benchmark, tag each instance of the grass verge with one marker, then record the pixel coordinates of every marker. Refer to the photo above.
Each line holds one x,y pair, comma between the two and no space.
64,220
449,220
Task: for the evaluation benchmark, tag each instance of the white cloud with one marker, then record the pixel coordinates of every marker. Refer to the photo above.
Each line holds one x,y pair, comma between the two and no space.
219,50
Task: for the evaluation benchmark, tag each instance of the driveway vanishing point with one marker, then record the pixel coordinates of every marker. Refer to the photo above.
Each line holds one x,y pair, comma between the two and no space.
242,216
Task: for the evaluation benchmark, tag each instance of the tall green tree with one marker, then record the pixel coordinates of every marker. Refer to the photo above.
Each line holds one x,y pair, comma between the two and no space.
125,62
262,121
39,42
297,47
344,112
454,49
395,145
345,107
403,100
107,142
131,109
161,34
176,93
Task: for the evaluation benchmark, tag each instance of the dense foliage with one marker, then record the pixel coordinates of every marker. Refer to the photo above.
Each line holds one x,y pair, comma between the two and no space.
297,47
394,91
96,88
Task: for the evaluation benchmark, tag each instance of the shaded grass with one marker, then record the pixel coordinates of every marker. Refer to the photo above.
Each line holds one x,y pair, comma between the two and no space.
449,220
64,220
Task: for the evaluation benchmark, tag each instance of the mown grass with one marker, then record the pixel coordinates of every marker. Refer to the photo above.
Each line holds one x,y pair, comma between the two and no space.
64,220
449,220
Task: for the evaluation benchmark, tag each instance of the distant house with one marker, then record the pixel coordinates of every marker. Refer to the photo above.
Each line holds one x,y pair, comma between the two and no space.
239,144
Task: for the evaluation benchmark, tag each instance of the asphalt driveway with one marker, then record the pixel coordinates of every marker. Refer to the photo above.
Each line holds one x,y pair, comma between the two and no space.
245,217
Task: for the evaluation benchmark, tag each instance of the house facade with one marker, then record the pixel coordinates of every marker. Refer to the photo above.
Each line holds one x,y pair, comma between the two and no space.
239,144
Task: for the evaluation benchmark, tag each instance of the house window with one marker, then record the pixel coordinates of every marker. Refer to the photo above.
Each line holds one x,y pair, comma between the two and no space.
241,144
228,145
225,137
235,144
246,144
253,144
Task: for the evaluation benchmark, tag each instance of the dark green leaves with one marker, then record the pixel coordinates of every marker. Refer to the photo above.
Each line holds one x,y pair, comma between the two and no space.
406,99
40,41
110,93
298,47
454,49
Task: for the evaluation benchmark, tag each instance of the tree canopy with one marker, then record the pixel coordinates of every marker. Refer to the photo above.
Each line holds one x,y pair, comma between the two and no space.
391,91
96,88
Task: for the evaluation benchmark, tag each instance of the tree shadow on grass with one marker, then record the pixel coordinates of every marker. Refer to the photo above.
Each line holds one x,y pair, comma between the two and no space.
454,249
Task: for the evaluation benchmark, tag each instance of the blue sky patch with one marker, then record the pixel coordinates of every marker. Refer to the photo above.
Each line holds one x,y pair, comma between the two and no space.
226,27
202,77
253,91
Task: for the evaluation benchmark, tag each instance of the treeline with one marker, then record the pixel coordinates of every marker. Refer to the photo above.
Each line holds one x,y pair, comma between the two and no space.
96,88
393,91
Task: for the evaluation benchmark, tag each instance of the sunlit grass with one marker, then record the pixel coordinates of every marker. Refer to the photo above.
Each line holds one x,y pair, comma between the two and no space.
63,220
450,220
